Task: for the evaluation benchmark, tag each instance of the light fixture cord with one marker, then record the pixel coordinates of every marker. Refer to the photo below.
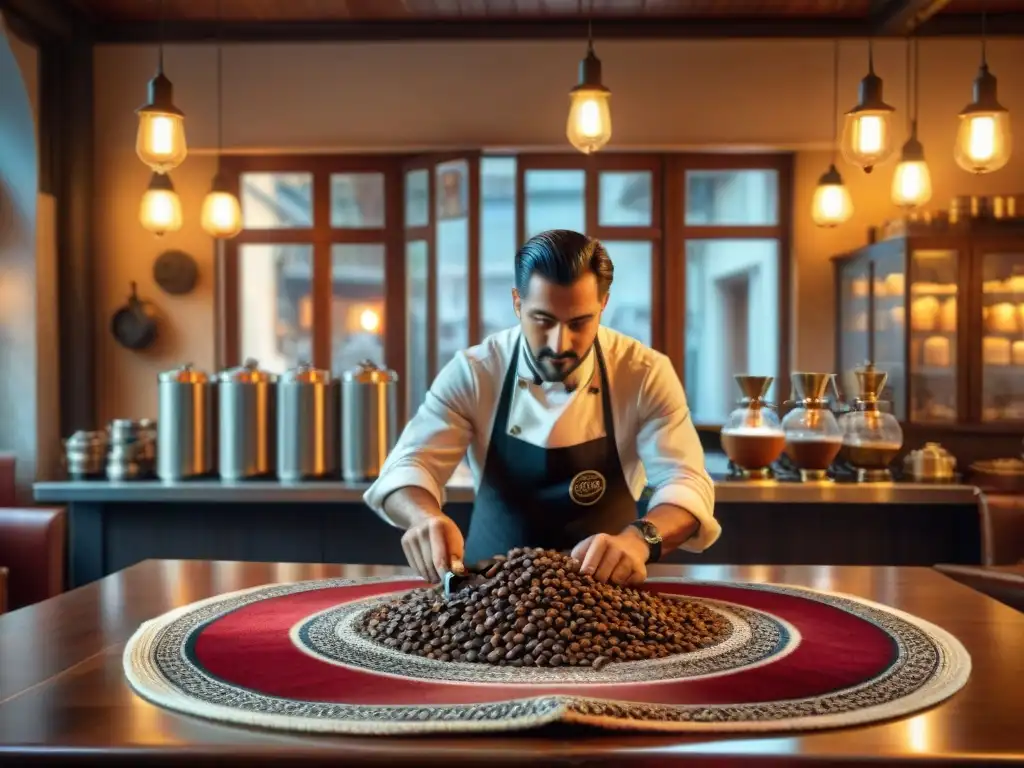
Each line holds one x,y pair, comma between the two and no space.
590,27
984,32
871,56
220,78
160,46
917,83
910,91
835,98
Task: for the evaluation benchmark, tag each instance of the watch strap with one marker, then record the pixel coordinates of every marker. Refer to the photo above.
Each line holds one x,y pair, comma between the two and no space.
652,537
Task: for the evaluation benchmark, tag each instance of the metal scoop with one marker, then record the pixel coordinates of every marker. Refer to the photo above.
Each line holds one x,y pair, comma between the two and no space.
460,576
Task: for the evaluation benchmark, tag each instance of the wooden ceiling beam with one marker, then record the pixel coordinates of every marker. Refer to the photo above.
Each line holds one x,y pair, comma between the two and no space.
636,28
903,17
44,20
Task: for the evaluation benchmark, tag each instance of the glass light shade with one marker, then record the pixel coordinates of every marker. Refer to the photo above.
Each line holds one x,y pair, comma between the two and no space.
867,138
589,126
983,141
832,204
160,208
911,184
222,215
160,140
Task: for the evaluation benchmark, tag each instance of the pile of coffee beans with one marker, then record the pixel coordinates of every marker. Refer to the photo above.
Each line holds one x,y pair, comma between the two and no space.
535,609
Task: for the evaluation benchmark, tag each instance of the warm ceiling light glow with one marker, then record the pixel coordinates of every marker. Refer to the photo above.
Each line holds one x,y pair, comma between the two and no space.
912,181
222,215
160,141
589,126
832,204
160,208
983,139
867,131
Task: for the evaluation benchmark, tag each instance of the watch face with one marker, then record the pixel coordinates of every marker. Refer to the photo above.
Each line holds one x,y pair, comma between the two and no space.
650,533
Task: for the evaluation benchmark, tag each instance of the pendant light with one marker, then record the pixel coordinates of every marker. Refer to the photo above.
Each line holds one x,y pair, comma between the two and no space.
160,140
589,126
983,139
867,134
912,181
222,215
832,204
160,209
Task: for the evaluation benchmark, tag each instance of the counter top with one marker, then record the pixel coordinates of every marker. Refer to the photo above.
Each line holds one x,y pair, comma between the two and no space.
727,491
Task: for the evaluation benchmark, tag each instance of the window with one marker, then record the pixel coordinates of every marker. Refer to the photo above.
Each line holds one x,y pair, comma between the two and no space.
307,279
407,260
733,274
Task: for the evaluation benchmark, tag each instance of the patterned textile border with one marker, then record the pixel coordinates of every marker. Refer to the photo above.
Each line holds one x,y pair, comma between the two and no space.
931,666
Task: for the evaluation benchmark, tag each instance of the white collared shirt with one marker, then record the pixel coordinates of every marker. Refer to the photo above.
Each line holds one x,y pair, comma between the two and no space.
657,441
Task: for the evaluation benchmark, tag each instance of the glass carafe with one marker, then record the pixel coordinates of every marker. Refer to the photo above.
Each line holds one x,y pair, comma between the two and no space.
752,437
871,437
813,437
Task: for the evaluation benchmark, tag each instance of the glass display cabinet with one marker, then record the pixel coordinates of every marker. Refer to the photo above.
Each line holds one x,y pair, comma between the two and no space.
940,308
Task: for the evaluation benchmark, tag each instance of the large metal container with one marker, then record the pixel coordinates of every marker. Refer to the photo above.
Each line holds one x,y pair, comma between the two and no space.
187,436
246,439
307,424
369,420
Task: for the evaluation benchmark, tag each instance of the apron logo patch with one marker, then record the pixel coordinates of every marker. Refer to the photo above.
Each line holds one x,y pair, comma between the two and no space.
587,487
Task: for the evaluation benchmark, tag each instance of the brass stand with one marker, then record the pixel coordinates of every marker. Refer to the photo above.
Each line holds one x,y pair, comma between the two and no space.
873,475
814,476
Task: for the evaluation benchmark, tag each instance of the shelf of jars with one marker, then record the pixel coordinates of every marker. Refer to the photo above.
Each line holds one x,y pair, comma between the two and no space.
940,308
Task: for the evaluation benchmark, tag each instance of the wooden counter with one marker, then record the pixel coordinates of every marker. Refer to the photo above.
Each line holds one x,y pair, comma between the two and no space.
116,524
62,688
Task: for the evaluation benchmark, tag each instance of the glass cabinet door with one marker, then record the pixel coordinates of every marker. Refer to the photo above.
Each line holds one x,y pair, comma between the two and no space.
854,329
1002,340
934,294
889,293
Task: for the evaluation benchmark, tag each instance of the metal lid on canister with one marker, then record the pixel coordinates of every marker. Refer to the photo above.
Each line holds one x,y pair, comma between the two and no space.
186,374
248,372
368,372
306,373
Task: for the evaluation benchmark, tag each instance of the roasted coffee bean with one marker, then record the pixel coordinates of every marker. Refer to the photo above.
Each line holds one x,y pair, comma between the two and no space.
535,609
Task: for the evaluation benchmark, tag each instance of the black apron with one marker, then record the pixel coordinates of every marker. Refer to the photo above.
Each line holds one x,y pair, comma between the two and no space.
553,498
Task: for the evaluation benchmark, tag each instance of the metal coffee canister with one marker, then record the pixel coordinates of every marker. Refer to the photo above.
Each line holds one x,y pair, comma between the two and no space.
307,424
246,404
369,420
186,437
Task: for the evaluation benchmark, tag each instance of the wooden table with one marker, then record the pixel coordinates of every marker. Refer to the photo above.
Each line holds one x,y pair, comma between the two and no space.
62,689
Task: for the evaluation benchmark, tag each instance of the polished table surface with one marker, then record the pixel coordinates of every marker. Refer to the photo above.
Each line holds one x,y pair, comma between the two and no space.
63,693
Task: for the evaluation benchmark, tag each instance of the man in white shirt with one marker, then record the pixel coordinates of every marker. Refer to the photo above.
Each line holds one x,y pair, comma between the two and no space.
564,422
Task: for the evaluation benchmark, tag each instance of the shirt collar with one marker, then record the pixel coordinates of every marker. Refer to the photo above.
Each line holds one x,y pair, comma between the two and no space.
584,375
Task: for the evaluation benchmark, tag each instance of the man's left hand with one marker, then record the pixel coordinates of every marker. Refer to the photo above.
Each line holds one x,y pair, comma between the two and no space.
619,559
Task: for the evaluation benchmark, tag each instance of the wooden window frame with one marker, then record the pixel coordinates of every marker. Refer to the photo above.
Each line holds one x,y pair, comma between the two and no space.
321,236
668,234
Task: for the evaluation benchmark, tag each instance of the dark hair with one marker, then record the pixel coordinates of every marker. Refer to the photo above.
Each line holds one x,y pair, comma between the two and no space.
563,257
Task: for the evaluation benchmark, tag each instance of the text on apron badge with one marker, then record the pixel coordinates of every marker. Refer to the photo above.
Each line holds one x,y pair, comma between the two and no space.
587,487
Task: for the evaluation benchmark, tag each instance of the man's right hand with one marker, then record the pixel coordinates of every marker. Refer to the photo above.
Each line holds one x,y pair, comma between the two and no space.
434,546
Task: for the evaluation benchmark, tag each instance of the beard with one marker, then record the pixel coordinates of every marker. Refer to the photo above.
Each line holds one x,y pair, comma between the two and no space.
552,367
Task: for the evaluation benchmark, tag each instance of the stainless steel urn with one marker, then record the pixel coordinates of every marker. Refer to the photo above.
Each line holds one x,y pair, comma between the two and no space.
307,424
246,404
369,420
186,438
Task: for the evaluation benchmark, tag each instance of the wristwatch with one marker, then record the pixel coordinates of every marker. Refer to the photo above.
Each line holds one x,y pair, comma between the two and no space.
651,536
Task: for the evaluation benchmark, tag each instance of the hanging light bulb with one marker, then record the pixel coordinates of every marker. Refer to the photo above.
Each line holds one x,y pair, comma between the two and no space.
912,181
867,133
589,126
983,139
160,141
222,215
832,204
160,209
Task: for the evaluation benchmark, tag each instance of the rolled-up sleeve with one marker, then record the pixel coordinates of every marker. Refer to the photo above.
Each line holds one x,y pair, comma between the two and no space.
670,449
434,441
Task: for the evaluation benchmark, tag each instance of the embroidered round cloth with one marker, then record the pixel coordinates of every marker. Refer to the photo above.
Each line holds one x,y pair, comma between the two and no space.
288,656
